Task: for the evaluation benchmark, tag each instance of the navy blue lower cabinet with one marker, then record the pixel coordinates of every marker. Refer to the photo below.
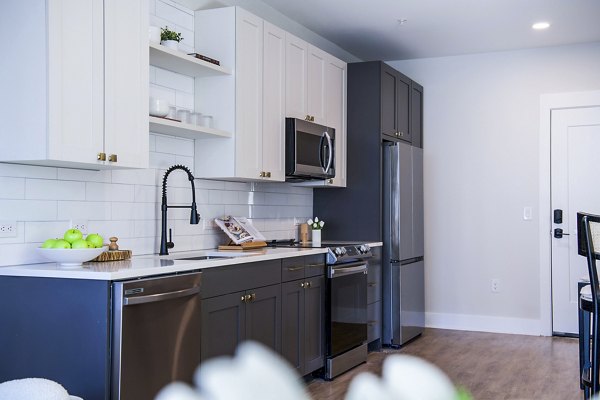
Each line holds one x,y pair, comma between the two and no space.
58,329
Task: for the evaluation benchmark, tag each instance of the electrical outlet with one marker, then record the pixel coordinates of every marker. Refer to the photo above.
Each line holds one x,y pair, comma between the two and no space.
495,285
8,229
80,224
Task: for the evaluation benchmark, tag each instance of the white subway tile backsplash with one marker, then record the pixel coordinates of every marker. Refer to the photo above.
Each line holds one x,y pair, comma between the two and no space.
20,253
86,210
134,176
146,194
46,189
152,142
175,81
27,171
108,192
120,229
146,228
176,146
162,161
237,186
66,174
28,210
185,160
40,231
12,188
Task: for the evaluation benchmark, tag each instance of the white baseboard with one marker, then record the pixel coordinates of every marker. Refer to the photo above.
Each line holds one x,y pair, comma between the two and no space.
481,323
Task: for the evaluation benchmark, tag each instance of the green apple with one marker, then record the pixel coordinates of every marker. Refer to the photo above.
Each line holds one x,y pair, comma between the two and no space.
61,244
72,235
89,245
80,244
95,239
48,244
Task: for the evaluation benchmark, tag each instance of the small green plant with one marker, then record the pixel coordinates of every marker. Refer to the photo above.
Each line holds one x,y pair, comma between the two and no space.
167,34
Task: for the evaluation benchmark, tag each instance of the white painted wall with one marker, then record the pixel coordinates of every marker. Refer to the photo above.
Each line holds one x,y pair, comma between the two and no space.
481,141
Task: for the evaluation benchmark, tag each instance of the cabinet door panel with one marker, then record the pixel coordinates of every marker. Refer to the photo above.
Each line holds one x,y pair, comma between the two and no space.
249,90
126,82
75,80
314,324
335,108
296,58
317,67
273,143
416,114
292,323
403,87
263,316
389,101
223,325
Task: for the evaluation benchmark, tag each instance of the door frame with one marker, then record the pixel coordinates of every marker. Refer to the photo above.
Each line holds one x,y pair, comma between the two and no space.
548,103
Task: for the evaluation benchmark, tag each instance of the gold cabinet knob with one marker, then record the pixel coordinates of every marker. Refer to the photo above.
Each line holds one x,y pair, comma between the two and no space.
112,158
302,285
253,297
101,156
307,118
244,299
262,174
330,181
307,285
268,174
312,118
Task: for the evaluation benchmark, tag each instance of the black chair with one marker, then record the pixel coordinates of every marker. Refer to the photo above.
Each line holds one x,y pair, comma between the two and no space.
588,233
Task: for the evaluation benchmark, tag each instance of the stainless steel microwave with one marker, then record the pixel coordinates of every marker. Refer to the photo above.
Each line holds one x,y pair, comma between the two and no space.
309,150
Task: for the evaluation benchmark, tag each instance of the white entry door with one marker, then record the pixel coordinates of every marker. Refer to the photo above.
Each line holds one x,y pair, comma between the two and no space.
575,186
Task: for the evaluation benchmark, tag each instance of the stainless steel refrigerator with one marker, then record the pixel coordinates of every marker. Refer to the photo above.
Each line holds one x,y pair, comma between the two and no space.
403,267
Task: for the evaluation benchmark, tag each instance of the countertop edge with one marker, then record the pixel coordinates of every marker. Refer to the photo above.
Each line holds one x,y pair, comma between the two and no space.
53,270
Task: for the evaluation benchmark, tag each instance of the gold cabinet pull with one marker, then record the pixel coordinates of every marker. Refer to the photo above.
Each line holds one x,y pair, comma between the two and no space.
307,285
244,299
302,284
253,297
101,156
112,158
291,269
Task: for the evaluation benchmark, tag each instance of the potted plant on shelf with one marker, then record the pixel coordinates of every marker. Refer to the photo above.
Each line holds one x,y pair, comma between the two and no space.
170,38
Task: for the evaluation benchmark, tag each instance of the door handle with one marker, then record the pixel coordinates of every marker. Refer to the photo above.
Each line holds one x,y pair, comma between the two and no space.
129,301
330,152
558,233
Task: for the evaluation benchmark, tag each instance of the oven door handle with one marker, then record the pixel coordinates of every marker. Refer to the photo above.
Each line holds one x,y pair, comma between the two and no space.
356,268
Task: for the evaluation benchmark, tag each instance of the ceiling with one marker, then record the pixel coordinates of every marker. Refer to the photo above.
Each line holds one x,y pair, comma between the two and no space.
370,30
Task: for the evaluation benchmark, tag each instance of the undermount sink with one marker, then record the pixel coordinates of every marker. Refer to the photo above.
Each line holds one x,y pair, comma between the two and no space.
202,258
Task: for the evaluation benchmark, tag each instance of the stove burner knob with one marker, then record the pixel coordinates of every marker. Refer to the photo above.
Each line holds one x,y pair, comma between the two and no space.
338,251
364,249
343,250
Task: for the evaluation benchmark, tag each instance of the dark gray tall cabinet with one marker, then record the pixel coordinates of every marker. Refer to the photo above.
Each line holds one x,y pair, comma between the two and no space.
383,105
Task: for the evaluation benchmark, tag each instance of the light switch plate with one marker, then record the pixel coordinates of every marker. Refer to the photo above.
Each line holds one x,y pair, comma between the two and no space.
8,229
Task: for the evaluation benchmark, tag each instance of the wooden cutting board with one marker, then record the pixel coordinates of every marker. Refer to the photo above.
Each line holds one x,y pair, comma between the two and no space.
243,246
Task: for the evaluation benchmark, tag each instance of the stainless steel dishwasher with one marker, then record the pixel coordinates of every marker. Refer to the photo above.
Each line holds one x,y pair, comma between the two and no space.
156,334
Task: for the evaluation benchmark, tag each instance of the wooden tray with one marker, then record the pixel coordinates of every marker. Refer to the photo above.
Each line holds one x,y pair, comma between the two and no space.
243,246
113,255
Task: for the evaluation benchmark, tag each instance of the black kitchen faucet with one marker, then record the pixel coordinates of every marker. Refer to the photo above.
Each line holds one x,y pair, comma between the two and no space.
194,217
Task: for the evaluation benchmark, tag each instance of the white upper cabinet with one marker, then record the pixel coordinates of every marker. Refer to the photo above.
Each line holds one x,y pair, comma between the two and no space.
78,79
296,66
335,107
257,50
316,92
248,95
273,138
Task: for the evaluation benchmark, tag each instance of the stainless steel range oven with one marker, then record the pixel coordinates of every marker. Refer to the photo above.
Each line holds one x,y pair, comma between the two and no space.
346,308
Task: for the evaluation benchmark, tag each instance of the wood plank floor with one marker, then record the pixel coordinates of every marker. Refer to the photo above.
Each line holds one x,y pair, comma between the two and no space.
490,366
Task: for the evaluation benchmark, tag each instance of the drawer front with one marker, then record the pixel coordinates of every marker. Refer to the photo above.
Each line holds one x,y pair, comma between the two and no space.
314,265
373,321
292,269
374,286
236,278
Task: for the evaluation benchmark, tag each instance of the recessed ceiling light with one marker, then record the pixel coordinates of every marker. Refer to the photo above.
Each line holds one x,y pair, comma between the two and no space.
541,25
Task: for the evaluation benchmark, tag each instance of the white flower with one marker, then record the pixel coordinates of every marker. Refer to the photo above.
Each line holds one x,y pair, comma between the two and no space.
322,223
310,221
316,219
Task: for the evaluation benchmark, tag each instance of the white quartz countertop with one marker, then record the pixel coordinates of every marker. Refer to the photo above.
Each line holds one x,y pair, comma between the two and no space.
142,266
